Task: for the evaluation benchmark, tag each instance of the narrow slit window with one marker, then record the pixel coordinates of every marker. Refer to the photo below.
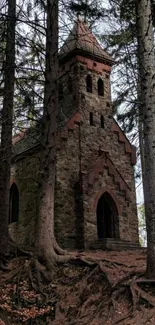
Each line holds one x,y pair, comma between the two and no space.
100,86
70,86
14,204
91,118
102,122
89,85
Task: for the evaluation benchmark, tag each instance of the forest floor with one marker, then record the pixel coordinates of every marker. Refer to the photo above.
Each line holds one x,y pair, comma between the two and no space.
111,291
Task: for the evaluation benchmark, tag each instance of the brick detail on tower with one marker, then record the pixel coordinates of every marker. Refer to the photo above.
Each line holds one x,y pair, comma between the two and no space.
94,184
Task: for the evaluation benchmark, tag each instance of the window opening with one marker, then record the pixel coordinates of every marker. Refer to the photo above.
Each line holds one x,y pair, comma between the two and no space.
91,118
14,204
100,86
102,122
89,84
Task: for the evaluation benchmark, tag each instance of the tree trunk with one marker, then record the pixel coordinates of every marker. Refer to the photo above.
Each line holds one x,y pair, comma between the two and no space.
6,128
141,144
45,244
147,85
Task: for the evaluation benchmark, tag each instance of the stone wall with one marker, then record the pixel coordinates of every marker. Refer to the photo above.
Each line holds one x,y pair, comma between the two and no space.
91,160
25,175
93,141
67,174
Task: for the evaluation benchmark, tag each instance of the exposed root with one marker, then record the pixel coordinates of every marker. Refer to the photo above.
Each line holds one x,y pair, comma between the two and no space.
123,318
58,249
3,265
14,249
103,270
125,278
80,290
4,317
144,295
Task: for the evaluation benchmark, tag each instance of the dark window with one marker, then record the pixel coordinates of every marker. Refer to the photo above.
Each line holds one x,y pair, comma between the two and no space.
100,86
89,84
61,91
91,119
102,122
70,87
14,204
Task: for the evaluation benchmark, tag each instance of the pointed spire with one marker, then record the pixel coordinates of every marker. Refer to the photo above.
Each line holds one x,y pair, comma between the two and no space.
82,41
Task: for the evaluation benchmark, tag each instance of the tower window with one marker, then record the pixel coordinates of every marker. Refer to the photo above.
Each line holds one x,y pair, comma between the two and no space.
102,122
89,84
91,118
70,86
14,204
100,86
61,91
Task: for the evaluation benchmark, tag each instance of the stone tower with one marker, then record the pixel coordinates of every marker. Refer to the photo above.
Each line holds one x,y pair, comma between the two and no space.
97,180
95,201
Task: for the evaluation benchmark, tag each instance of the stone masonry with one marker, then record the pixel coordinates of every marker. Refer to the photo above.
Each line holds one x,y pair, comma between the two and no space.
94,163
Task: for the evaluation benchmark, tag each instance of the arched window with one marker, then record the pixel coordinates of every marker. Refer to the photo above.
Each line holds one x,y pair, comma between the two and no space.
70,86
14,204
89,84
100,87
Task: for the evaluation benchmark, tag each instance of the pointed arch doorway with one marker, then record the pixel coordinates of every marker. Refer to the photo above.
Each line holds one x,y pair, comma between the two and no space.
107,217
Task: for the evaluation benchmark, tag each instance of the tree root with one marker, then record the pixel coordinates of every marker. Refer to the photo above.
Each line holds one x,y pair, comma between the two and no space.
15,249
144,295
102,269
91,303
4,317
124,318
3,266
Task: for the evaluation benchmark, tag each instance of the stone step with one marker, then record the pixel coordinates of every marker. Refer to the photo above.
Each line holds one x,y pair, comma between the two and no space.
114,244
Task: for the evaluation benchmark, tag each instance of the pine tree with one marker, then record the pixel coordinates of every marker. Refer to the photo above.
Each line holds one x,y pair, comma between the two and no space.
46,247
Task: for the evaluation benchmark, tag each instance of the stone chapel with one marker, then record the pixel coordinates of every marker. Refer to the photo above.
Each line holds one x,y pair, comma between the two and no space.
95,200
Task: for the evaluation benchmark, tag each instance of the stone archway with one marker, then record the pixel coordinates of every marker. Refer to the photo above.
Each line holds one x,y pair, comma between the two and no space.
107,217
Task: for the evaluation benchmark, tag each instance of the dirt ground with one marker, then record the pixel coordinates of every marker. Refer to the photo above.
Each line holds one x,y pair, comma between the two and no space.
111,290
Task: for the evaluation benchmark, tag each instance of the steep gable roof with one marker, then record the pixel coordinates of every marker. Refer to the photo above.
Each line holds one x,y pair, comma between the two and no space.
82,41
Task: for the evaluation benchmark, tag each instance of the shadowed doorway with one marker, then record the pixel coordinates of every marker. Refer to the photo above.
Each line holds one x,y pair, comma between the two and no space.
107,217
